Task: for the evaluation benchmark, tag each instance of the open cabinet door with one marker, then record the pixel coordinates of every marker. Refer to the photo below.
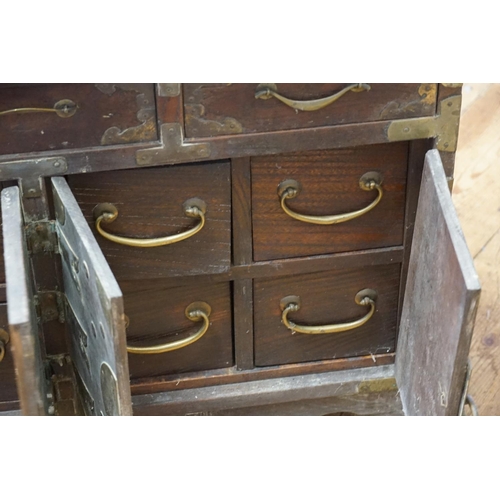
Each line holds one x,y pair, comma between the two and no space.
94,312
31,381
440,304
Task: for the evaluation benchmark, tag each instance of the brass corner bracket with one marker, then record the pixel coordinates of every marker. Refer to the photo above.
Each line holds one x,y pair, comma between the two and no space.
172,149
443,126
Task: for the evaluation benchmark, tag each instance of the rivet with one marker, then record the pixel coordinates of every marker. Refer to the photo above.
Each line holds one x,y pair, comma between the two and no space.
57,164
406,129
450,103
445,144
31,191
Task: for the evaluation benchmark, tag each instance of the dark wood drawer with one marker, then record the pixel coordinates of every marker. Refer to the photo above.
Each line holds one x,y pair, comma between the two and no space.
213,109
329,184
157,316
150,204
326,298
87,115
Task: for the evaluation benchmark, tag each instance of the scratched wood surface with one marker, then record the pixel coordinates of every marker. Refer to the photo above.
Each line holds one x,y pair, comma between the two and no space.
476,194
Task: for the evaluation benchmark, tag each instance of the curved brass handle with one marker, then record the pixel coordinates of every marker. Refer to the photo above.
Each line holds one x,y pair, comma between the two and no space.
268,90
63,108
366,297
107,213
368,182
196,311
4,340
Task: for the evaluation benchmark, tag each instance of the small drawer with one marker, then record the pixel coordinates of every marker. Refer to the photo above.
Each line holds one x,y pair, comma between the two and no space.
158,316
328,183
213,109
154,203
43,117
326,298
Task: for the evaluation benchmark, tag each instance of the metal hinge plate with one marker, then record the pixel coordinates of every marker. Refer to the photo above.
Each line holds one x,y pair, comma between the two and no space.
173,149
443,126
30,173
41,237
50,306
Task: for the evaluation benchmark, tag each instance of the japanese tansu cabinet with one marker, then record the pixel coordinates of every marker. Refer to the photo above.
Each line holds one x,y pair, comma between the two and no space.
243,249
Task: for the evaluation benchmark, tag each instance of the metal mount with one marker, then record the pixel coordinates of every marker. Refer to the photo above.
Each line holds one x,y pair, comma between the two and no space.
173,149
443,126
30,173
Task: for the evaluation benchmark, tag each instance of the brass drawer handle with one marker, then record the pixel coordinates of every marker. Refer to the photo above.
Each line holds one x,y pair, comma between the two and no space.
63,108
290,304
4,340
268,90
107,213
196,311
368,182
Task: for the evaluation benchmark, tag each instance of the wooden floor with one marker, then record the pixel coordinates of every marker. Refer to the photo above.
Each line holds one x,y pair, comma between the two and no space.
476,194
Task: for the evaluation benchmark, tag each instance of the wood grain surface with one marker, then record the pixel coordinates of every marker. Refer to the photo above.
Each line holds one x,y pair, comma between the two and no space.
442,293
329,185
150,205
326,298
97,112
213,109
476,194
157,316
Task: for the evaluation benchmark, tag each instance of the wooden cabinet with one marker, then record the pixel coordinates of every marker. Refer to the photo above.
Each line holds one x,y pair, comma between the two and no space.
251,255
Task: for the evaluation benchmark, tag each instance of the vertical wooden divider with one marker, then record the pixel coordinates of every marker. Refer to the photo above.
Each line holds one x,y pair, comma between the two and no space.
242,254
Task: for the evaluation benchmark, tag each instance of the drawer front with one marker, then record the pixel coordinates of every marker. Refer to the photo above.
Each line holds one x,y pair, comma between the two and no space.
213,109
87,115
157,316
150,204
329,185
326,298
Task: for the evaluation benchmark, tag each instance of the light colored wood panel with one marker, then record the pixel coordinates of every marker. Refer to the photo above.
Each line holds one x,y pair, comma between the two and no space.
485,352
471,92
476,195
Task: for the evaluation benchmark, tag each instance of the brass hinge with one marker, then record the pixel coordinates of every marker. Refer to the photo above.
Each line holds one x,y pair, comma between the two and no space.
50,306
443,126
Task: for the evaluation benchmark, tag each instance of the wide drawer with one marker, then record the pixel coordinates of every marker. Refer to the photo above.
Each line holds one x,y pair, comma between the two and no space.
152,204
213,109
326,298
328,183
64,116
157,316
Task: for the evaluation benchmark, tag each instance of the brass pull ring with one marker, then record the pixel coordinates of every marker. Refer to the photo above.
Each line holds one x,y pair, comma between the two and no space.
63,108
196,311
290,304
368,182
268,90
4,340
107,213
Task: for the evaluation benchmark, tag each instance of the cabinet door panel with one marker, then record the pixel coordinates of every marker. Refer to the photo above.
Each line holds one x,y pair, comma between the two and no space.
23,326
94,311
441,298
